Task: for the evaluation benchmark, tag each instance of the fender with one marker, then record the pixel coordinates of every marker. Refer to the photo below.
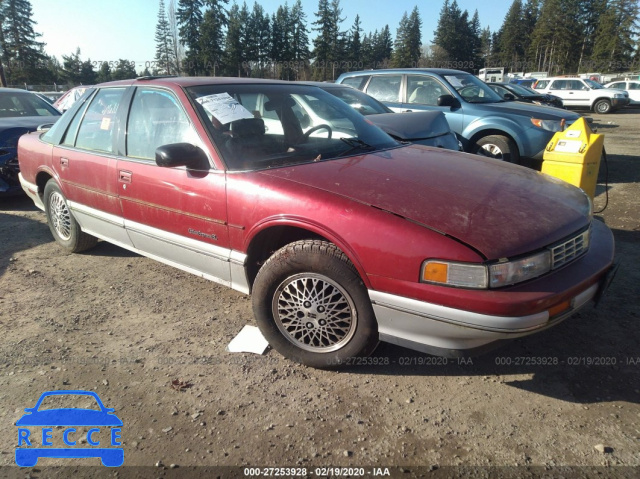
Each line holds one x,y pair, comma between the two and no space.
311,226
497,125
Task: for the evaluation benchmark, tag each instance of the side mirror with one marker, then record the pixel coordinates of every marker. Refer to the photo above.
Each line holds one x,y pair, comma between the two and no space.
447,100
509,97
180,154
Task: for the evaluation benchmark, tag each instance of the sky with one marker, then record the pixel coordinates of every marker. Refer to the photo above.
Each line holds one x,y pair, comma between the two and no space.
110,30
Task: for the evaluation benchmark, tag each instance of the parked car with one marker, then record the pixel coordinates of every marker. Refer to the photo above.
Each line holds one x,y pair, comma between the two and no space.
71,96
583,93
429,128
343,236
631,87
482,120
512,91
20,111
528,82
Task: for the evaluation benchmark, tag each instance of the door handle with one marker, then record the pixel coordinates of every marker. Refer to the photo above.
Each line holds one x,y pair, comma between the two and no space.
406,111
64,162
124,176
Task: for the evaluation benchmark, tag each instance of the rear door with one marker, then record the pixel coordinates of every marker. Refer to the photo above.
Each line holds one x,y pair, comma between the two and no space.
86,163
572,91
174,214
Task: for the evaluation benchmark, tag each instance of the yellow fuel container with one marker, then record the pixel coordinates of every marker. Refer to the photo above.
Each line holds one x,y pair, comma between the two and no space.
573,155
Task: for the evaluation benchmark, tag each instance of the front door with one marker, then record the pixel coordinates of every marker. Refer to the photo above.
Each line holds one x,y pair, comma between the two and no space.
176,215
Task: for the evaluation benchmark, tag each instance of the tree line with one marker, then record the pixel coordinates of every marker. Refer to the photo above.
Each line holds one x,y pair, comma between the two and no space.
213,37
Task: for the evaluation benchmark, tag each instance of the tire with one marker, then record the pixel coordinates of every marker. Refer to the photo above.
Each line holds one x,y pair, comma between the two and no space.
64,228
602,107
291,305
498,147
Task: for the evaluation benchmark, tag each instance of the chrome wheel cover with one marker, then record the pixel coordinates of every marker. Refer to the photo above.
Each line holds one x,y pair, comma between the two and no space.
314,313
490,150
60,216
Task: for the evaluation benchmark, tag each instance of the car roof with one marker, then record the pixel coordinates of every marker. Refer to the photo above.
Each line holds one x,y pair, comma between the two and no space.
192,81
437,71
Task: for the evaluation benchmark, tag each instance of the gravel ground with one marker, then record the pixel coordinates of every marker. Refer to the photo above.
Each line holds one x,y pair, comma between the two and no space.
127,327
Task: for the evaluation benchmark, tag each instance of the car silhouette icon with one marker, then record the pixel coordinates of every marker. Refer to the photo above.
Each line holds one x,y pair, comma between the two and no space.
69,418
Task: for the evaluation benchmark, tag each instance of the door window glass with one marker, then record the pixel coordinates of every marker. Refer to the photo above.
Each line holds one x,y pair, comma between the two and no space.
385,87
97,129
156,119
424,90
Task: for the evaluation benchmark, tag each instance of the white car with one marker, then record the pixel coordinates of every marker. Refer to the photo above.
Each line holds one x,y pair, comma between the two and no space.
631,87
583,93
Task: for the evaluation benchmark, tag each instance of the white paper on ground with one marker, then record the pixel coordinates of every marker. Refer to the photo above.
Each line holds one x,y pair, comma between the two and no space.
248,340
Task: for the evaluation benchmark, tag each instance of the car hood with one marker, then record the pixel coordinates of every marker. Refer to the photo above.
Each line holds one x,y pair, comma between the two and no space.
499,209
13,128
69,417
408,126
525,109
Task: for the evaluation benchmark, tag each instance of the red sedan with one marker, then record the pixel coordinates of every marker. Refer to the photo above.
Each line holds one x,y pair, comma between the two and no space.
343,236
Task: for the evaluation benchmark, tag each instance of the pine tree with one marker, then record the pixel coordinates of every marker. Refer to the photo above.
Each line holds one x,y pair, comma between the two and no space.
512,51
165,52
104,73
190,18
234,51
355,43
124,70
300,34
258,39
72,68
23,57
329,44
212,37
613,48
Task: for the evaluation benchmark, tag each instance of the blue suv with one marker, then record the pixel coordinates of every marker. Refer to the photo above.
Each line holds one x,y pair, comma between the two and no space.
484,122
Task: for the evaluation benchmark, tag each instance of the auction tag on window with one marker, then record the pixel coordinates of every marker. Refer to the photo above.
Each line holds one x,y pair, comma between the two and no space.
224,107
106,123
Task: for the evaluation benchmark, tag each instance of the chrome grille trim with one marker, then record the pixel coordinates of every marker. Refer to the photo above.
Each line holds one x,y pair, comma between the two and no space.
569,250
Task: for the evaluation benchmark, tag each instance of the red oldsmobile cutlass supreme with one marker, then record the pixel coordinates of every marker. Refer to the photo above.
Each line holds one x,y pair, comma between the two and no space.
343,236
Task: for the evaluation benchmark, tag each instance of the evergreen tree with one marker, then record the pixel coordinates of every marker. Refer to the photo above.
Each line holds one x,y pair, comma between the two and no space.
299,36
407,45
104,73
190,18
329,44
88,75
613,48
590,14
124,70
165,52
72,68
258,39
475,40
23,57
234,51
355,42
512,49
212,37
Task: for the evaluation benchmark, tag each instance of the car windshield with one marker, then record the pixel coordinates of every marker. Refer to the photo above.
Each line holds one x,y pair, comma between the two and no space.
24,104
472,89
362,102
521,90
593,84
257,126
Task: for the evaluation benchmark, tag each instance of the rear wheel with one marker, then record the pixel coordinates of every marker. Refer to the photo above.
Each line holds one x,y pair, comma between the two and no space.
312,306
498,147
602,106
64,228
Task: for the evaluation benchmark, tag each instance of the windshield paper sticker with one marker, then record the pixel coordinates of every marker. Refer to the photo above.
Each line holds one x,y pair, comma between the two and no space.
224,107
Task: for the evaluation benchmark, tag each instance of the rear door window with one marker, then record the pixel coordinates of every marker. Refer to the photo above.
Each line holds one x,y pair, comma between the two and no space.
385,87
97,129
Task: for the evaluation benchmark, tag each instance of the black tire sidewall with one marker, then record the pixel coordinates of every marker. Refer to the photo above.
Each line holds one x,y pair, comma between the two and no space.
285,264
508,147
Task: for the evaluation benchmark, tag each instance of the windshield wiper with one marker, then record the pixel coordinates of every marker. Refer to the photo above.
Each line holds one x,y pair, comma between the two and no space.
355,144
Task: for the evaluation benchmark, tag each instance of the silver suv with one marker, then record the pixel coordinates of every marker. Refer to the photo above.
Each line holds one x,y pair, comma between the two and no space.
583,93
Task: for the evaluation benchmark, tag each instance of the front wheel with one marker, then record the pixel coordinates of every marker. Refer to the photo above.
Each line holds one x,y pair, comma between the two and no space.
312,306
64,227
498,147
602,106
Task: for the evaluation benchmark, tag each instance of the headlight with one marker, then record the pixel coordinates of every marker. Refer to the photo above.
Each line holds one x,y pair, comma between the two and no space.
479,276
511,272
549,125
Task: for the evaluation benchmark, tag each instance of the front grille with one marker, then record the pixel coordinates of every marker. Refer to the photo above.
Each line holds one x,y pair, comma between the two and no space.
569,250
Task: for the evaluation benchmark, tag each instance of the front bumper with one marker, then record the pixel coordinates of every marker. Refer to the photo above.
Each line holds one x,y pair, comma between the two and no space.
436,325
619,102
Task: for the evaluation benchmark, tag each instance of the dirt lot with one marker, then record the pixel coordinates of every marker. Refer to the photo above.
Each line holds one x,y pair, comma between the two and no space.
126,327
